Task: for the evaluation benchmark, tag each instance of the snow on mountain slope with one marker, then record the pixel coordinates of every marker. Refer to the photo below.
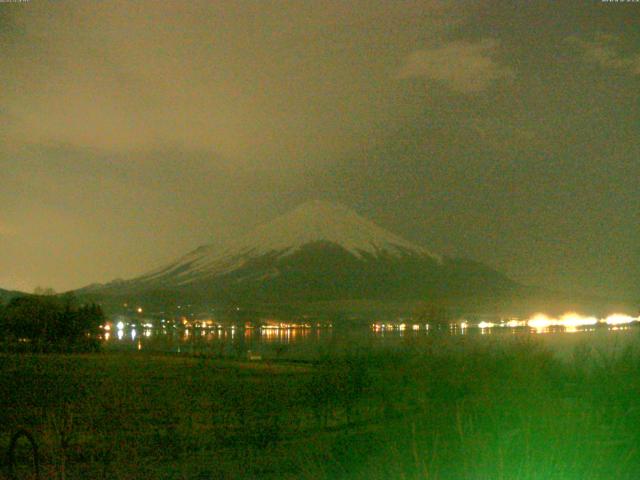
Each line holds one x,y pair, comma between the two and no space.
311,222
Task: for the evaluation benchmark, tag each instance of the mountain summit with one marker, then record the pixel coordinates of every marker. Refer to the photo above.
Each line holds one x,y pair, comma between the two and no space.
315,222
318,251
320,221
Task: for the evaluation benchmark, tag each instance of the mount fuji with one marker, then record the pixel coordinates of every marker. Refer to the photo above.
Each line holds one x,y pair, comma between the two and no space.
320,251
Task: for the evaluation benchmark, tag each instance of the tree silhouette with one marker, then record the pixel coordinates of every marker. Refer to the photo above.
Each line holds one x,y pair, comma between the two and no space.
45,322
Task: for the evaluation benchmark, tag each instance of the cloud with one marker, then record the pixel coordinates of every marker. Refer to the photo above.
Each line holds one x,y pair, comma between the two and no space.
603,51
258,84
505,134
465,67
6,229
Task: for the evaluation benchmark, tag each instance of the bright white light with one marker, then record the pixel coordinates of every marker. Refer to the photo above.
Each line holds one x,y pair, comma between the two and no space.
120,326
139,310
516,323
464,324
570,321
574,320
486,325
619,319
540,321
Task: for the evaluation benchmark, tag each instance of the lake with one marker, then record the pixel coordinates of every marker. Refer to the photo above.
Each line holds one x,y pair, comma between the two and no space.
308,343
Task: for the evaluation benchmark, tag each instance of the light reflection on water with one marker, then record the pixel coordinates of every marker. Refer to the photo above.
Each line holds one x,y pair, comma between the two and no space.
305,342
223,341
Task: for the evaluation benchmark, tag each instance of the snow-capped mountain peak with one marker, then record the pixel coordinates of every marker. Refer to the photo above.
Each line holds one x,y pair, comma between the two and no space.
312,222
320,221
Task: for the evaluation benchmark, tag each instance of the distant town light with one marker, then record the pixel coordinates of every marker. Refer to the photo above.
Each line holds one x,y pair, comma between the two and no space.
515,323
619,319
569,320
575,320
540,321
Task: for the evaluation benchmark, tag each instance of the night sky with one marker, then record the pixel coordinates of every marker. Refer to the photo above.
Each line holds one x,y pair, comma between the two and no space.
507,132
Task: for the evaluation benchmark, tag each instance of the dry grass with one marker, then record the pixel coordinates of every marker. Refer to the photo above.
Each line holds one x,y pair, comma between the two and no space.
435,409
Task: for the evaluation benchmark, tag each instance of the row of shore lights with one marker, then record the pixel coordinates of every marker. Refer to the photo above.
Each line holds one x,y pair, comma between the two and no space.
539,321
282,326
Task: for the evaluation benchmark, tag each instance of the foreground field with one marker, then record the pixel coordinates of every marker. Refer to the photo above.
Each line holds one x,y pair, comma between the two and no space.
429,409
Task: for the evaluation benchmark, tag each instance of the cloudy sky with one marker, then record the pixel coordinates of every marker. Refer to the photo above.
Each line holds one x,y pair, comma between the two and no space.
507,132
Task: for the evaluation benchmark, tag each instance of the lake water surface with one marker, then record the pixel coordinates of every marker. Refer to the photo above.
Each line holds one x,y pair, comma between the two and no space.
309,343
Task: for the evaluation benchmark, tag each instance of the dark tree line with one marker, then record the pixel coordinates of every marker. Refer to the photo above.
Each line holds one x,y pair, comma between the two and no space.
44,322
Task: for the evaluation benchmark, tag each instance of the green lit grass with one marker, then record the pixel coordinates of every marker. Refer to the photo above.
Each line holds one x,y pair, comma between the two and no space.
429,409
